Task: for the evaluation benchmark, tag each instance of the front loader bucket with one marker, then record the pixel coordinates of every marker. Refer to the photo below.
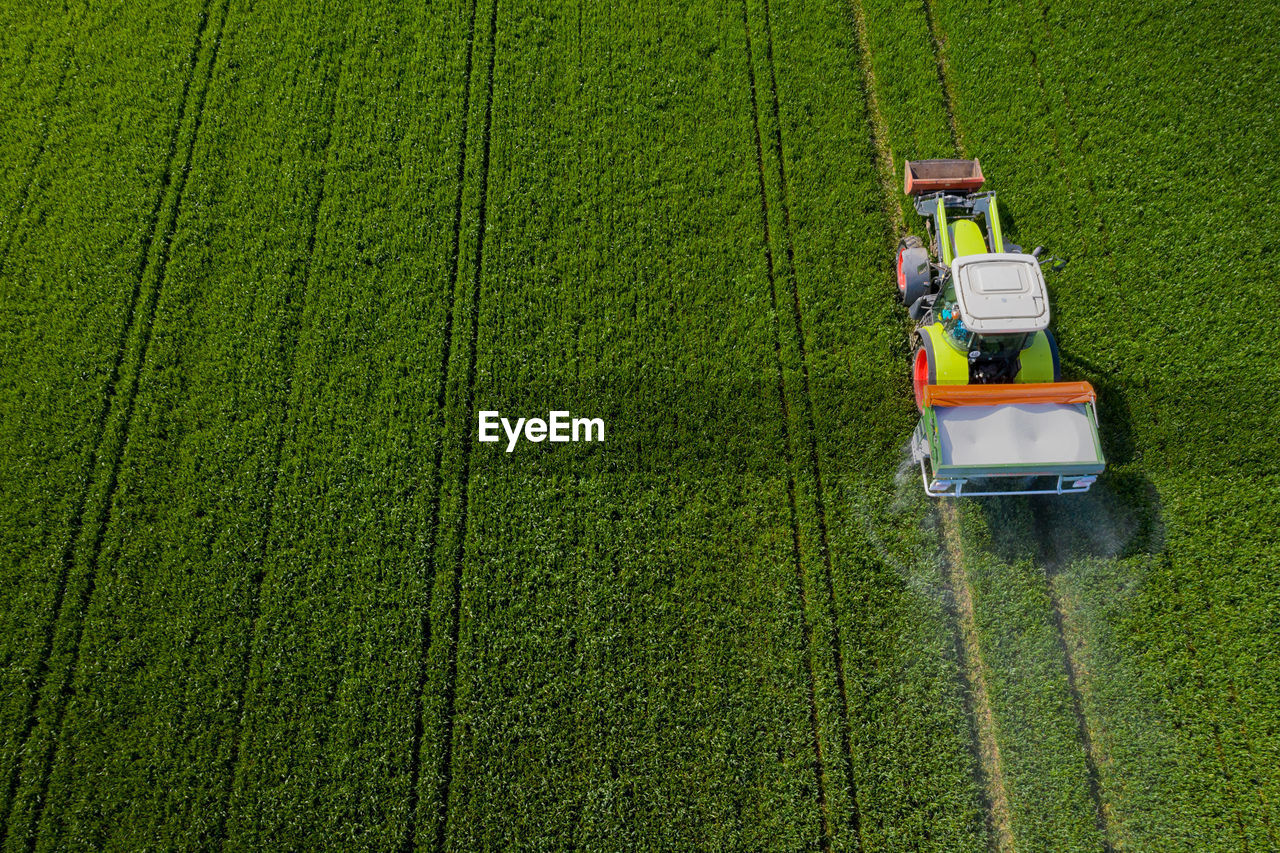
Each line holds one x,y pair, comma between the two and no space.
927,176
1033,439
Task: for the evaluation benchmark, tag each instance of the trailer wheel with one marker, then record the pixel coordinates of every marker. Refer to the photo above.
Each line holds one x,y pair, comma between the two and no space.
920,375
913,272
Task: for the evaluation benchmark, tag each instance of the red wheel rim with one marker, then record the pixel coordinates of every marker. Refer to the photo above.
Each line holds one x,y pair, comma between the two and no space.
902,284
920,376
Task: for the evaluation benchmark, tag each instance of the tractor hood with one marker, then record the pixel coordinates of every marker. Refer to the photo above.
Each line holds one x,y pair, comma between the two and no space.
1001,294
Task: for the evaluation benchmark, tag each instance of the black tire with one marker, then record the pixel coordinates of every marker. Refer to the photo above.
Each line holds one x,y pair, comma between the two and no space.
1057,359
911,241
914,273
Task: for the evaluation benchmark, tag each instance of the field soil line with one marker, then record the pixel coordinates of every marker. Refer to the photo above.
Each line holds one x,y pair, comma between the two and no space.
820,765
977,699
433,521
1077,674
448,540
877,125
803,457
87,528
939,46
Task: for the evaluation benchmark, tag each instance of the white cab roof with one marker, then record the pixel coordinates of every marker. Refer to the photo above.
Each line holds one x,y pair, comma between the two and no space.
1001,293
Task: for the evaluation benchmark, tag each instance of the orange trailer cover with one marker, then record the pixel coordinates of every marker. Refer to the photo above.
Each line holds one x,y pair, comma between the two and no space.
999,395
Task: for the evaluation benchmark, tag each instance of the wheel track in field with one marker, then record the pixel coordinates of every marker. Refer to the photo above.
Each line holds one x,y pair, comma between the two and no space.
971,670
444,766
796,312
33,167
1076,674
938,44
455,250
110,443
818,763
1061,616
291,328
977,699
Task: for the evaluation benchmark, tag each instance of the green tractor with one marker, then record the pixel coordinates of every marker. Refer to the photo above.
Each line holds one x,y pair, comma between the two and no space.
996,417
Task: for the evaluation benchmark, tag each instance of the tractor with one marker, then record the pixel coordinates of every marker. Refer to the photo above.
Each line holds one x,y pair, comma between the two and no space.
995,416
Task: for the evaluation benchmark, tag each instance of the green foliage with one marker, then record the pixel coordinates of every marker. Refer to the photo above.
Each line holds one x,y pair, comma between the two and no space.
630,666
247,520
263,263
85,146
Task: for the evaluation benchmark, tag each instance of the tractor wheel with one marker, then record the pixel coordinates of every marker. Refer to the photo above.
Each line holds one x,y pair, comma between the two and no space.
913,271
920,375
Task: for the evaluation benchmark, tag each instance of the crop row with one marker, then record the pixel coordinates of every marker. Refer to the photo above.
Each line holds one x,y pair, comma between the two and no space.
91,165
629,664
333,696
153,660
236,584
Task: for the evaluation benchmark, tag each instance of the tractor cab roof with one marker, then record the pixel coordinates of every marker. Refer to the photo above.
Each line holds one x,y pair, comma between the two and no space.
1001,294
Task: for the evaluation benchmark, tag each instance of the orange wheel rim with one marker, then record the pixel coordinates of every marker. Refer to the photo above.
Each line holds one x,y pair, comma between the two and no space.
920,376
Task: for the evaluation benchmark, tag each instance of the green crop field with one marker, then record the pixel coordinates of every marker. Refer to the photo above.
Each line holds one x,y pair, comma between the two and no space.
263,264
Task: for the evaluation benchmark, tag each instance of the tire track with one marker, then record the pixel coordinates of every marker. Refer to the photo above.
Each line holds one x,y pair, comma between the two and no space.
819,762
878,128
110,443
977,700
939,46
291,329
1051,566
64,556
451,678
433,523
985,746
1099,218
33,168
806,401
444,768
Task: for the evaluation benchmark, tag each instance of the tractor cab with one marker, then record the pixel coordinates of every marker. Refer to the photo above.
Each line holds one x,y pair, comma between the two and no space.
991,309
1000,294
